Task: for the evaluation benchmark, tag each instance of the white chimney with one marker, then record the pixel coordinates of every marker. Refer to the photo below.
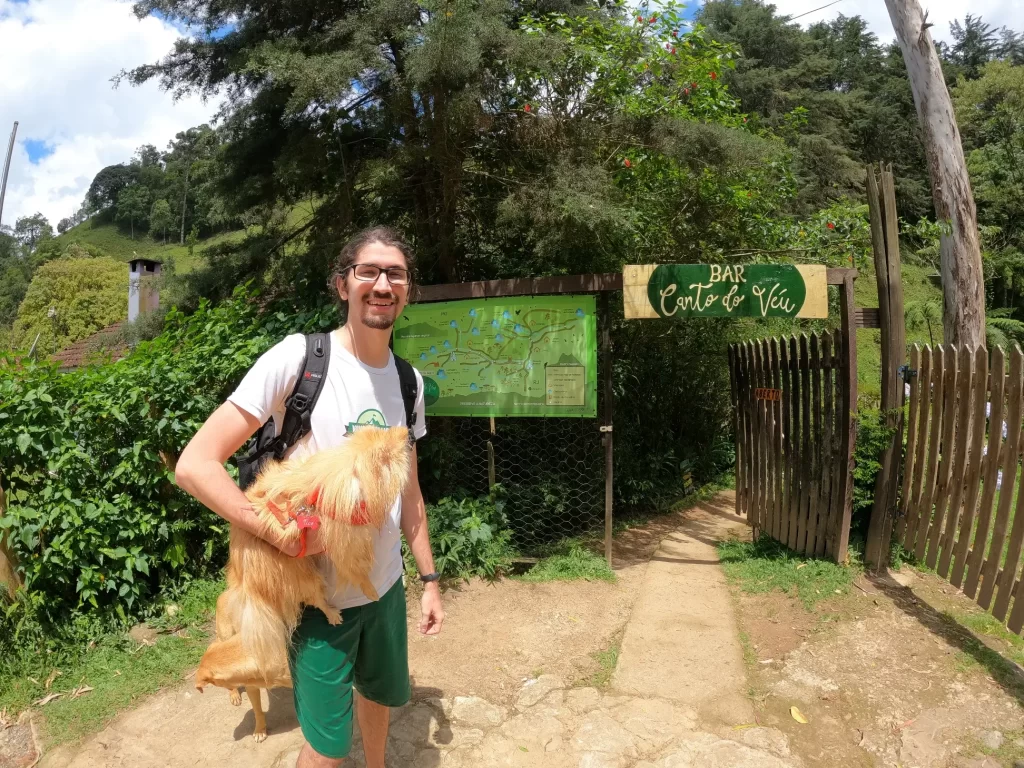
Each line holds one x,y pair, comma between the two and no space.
143,289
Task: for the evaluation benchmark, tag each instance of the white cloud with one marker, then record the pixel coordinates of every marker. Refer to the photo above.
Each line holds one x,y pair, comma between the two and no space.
57,58
998,13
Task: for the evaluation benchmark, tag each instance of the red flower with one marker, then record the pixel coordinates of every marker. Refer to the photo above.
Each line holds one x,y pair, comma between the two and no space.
694,86
527,108
627,163
686,91
675,33
653,19
673,51
830,225
639,19
744,119
713,75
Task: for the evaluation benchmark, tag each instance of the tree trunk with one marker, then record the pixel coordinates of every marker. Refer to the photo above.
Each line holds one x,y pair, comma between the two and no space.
184,200
963,289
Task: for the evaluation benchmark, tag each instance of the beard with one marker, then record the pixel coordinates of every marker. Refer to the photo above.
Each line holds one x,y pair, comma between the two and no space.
380,322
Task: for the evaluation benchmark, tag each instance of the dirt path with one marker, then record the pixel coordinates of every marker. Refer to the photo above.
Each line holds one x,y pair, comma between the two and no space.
511,681
681,642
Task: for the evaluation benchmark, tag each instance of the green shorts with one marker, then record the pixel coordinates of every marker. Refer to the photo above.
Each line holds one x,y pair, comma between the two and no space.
369,648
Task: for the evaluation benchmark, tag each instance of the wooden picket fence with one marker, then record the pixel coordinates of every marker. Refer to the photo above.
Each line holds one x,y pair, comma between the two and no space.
794,436
957,509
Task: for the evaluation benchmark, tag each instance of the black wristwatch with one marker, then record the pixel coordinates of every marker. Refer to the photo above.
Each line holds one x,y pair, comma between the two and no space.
430,577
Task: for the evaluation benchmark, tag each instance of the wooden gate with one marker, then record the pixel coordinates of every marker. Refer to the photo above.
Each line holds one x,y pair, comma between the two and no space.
794,403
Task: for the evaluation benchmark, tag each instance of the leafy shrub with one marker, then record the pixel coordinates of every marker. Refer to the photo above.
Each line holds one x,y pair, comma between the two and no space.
872,438
88,458
571,562
470,537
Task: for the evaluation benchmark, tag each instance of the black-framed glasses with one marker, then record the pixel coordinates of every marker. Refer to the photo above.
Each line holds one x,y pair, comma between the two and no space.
370,272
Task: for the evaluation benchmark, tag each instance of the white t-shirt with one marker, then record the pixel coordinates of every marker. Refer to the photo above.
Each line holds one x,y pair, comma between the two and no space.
353,393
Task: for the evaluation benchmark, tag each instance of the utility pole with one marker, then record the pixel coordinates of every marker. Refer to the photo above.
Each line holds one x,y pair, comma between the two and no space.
7,167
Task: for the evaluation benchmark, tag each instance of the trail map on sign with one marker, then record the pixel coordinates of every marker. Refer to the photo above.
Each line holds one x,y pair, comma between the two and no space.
533,356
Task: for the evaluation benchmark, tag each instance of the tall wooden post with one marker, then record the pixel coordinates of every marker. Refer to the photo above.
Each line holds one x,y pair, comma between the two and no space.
886,247
848,424
606,420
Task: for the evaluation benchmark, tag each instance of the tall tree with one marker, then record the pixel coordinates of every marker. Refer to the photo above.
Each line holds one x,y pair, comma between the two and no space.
30,230
106,186
161,217
963,286
974,44
133,204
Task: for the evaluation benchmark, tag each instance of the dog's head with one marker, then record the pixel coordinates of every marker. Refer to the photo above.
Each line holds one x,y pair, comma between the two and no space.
377,464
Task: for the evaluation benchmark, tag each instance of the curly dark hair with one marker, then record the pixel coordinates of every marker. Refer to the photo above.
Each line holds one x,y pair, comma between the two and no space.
383,235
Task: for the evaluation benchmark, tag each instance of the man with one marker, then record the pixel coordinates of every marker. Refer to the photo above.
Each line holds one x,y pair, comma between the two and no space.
369,650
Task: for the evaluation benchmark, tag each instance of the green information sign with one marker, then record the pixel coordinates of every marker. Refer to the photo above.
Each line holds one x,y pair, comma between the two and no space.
534,356
718,290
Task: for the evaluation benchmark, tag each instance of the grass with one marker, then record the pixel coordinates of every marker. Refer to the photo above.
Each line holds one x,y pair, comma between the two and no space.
768,566
606,661
573,561
118,669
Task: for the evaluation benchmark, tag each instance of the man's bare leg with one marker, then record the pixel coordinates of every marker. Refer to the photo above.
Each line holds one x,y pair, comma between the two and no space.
310,758
373,725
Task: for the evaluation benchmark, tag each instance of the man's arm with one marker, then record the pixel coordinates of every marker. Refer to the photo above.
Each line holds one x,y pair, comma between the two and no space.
414,526
200,471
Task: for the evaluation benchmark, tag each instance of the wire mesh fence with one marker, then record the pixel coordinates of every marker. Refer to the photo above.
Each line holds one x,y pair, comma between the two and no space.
551,471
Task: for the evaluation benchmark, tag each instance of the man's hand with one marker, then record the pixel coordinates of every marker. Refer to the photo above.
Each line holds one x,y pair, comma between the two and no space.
432,613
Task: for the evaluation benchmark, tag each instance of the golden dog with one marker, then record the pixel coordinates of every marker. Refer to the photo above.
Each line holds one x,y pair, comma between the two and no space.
343,493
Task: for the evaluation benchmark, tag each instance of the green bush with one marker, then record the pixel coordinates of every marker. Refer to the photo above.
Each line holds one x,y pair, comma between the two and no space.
87,459
469,537
872,438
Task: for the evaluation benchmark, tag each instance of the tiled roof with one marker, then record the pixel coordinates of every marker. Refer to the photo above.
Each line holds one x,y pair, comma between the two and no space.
98,345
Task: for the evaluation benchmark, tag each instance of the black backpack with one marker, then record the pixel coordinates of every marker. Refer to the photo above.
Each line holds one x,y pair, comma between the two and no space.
265,445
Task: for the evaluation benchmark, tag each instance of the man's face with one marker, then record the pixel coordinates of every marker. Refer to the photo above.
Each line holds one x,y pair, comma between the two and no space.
375,303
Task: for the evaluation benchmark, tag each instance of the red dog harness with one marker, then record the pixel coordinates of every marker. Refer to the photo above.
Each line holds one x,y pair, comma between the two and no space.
306,518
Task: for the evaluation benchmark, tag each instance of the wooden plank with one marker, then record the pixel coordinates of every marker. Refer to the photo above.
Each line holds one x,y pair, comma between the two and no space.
520,286
1016,541
1016,622
997,377
835,449
806,445
754,510
814,492
1010,456
975,464
827,465
924,510
849,408
780,459
769,438
867,317
796,446
786,383
745,389
961,447
912,427
924,377
947,450
839,275
733,394
759,442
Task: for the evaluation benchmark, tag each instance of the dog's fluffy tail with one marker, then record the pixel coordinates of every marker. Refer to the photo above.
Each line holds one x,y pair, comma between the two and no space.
265,636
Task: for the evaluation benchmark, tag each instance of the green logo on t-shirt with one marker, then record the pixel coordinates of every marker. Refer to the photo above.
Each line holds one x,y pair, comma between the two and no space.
368,418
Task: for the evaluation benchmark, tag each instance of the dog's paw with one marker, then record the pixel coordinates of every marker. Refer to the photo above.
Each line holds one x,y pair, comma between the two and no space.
333,617
236,698
259,736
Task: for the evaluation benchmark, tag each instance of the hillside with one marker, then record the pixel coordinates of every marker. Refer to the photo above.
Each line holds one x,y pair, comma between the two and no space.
116,243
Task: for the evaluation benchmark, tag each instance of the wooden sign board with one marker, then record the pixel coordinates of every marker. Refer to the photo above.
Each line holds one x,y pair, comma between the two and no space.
772,395
720,290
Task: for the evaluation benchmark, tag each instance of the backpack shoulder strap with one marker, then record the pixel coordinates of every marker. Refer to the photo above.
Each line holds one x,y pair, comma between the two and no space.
407,381
299,405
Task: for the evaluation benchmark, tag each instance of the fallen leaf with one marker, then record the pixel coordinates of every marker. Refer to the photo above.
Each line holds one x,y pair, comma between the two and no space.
766,661
839,591
117,673
797,715
81,691
49,680
47,699
744,726
801,566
